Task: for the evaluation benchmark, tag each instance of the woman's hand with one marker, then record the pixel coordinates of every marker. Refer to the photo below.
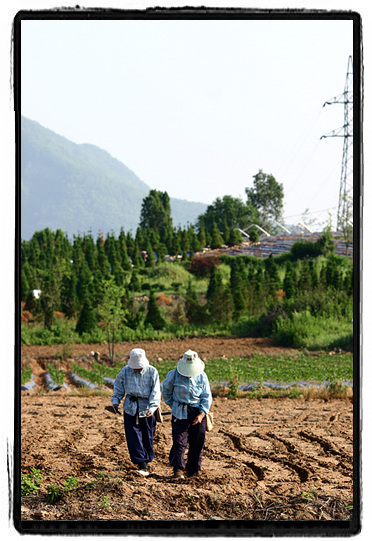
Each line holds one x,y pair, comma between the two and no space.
198,418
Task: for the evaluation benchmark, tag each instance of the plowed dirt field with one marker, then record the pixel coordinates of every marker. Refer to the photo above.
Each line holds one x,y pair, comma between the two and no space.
270,459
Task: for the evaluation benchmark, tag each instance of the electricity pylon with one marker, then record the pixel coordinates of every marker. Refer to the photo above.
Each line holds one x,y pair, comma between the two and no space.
346,131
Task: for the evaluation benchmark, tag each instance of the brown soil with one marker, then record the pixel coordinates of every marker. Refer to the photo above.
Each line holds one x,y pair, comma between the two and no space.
272,459
206,347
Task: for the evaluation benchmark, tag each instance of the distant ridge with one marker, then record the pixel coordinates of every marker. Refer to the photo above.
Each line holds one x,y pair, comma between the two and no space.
80,188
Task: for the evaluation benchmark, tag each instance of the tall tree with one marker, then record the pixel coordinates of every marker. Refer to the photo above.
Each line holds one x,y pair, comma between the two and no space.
226,212
156,214
87,321
153,316
112,312
266,197
217,239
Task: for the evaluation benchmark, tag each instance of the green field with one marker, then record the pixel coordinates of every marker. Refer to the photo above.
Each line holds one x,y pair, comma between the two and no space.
258,368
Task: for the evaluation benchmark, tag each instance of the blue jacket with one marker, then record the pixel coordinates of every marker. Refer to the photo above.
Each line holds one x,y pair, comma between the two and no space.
144,385
180,391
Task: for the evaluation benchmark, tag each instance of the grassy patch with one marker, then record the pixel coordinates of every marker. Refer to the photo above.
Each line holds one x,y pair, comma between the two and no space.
303,330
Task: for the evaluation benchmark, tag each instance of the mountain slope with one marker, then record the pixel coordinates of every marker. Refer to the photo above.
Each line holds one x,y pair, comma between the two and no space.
78,188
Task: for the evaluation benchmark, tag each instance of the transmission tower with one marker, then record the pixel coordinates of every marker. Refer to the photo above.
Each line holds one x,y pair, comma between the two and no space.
346,131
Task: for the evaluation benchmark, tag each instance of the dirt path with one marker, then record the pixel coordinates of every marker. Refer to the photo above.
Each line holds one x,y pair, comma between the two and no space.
276,459
206,347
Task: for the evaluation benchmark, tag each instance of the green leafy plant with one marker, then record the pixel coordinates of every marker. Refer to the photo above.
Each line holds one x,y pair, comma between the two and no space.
54,493
105,501
30,483
70,484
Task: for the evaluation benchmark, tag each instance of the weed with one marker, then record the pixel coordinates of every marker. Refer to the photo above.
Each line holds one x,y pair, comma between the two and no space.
310,495
31,482
105,502
70,484
337,390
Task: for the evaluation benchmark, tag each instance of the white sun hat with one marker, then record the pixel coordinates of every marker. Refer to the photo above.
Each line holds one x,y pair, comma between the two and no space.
137,358
190,364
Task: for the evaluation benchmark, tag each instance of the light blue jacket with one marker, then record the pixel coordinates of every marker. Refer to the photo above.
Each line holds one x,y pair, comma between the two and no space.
179,391
144,385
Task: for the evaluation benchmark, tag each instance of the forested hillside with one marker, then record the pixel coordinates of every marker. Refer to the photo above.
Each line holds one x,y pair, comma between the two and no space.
119,288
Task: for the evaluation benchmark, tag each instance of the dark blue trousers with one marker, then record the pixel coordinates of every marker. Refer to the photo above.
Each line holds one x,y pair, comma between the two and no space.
185,434
140,439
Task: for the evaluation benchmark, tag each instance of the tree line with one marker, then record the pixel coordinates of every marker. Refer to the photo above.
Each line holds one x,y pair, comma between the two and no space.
97,281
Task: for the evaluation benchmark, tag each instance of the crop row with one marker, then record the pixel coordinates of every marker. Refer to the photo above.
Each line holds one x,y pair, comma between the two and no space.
245,373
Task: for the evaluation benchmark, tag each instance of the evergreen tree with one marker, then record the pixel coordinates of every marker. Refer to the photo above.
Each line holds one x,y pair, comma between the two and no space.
201,235
77,251
137,259
134,284
162,252
234,237
111,251
289,282
24,286
103,262
156,214
225,231
153,316
87,321
215,282
51,285
216,238
123,251
140,239
90,252
304,282
273,280
84,279
236,286
68,295
195,312
175,246
222,307
150,259
314,278
62,247
130,244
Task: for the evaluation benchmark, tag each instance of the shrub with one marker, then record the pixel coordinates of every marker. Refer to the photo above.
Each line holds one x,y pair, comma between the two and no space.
201,266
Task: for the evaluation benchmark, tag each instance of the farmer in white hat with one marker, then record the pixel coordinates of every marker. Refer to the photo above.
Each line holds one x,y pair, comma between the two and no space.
139,381
186,390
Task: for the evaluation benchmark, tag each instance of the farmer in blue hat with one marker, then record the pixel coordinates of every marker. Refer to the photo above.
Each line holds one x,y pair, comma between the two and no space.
139,381
186,390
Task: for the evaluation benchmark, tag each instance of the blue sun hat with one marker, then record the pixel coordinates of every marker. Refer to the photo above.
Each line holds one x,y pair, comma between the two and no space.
190,364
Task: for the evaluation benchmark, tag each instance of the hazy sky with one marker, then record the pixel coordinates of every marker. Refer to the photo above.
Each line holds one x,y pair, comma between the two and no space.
197,107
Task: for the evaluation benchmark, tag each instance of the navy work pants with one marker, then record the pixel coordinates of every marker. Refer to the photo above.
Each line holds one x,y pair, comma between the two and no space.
140,439
185,433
